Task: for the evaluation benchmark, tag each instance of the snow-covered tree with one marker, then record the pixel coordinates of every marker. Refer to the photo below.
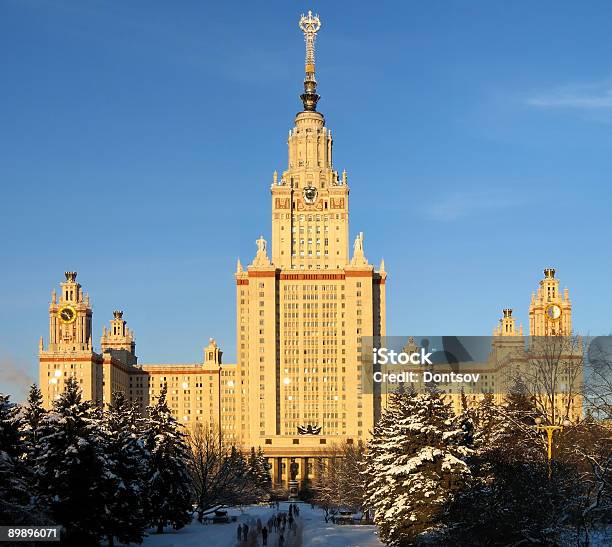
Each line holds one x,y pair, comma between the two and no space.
414,465
127,462
168,486
32,414
241,489
583,470
14,486
70,466
508,497
31,418
259,474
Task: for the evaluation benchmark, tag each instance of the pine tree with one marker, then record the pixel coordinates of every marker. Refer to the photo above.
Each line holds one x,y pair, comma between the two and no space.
415,463
265,479
241,489
14,487
258,474
125,517
70,466
509,496
32,413
168,487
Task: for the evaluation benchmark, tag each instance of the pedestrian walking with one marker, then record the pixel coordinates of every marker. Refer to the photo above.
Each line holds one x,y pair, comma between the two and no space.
245,532
239,533
264,535
290,522
281,540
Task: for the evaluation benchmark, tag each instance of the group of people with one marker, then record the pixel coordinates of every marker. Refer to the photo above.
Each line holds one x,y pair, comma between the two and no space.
281,523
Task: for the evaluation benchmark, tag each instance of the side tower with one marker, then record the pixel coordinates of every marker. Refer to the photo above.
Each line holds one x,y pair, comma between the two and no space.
304,304
119,340
507,325
119,357
69,352
550,312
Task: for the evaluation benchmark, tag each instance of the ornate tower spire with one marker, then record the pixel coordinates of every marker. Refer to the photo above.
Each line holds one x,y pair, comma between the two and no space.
550,312
310,25
119,340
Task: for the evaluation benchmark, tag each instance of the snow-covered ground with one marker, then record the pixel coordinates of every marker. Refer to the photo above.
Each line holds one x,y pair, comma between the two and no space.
311,531
316,532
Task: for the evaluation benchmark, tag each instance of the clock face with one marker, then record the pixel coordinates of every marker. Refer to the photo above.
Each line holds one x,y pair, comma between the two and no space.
553,312
67,314
310,194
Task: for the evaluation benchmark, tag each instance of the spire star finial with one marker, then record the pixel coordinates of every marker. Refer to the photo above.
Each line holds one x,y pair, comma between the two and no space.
310,25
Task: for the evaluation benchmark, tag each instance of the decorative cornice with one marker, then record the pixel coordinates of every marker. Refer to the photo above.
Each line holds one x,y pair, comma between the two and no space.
312,276
359,273
262,273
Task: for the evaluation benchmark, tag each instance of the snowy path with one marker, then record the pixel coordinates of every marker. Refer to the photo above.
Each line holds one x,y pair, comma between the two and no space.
311,531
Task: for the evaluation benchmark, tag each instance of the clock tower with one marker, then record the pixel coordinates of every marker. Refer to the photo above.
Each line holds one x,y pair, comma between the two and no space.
69,352
550,312
70,317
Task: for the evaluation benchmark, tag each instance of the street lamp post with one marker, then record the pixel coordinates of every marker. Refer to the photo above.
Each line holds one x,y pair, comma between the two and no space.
550,430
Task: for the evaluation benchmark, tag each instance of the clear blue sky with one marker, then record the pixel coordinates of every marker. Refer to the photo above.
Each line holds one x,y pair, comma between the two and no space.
138,141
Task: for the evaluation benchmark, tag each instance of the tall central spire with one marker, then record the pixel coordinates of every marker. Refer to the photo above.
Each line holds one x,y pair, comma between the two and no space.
310,25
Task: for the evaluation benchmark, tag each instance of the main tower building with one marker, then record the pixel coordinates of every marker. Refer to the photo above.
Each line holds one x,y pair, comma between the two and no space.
304,306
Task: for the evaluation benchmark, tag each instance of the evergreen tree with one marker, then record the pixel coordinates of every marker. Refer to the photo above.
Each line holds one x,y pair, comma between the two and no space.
265,479
259,474
32,414
70,466
14,487
509,496
168,485
415,463
125,517
241,489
